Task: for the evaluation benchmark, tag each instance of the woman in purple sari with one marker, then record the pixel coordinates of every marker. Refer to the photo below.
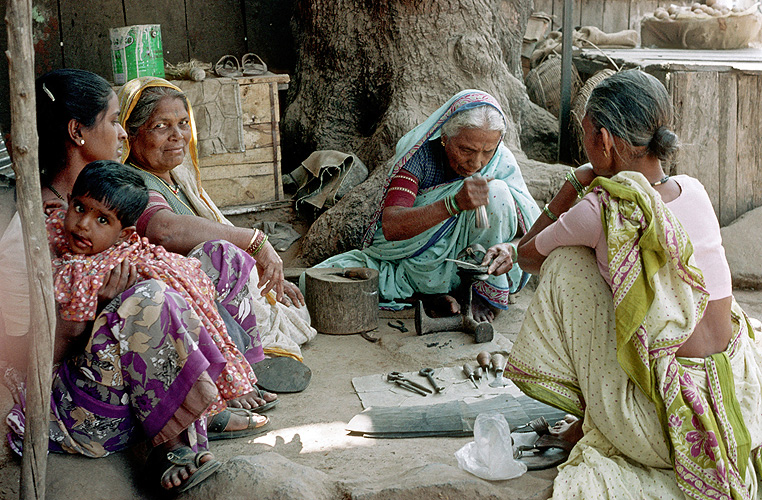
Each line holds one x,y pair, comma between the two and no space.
145,371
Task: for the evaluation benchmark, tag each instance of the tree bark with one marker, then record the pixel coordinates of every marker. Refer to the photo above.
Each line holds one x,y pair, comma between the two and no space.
24,139
368,72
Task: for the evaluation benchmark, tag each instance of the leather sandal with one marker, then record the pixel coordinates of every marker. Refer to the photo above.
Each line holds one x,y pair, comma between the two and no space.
282,374
253,65
217,424
548,451
161,463
228,67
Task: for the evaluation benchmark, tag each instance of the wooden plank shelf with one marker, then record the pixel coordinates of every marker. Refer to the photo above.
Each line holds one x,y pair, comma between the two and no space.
239,153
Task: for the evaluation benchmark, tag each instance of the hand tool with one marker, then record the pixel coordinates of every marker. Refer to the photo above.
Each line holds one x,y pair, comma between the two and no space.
539,425
409,387
469,371
498,363
355,273
398,325
370,338
429,374
481,211
483,359
469,266
394,376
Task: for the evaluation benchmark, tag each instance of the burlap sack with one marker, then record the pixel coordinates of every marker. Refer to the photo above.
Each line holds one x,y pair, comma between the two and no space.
731,32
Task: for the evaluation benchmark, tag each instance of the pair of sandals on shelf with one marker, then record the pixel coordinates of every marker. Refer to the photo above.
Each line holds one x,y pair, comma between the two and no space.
230,67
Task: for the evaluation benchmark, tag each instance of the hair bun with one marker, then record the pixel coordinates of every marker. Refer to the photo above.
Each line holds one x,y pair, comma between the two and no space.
664,143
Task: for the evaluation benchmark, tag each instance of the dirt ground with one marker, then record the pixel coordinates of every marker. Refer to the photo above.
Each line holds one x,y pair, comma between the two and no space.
307,453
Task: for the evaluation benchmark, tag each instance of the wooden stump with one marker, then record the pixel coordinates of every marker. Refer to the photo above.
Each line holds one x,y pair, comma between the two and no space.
339,304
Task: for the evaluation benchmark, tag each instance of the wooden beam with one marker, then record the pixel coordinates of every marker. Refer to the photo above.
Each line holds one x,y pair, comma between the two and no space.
564,114
20,55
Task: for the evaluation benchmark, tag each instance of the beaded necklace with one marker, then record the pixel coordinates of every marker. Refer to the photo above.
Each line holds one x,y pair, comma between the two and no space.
660,181
58,195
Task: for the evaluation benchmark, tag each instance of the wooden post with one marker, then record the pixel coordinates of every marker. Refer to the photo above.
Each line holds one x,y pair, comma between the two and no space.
24,139
564,114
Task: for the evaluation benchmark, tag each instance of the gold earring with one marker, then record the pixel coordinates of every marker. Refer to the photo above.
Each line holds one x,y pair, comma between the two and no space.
605,153
442,141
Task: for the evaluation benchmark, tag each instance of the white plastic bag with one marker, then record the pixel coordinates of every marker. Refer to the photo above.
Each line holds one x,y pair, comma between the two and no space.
490,454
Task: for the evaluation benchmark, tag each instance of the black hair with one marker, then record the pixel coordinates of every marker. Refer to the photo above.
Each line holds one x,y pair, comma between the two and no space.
64,95
115,185
635,107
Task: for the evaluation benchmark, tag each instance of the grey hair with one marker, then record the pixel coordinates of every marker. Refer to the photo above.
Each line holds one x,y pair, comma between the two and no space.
482,117
635,107
146,105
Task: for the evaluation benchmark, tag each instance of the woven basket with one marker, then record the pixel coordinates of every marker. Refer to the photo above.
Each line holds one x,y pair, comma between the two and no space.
578,112
543,84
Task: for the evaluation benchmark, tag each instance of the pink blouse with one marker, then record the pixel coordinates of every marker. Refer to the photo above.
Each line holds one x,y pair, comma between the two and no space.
581,225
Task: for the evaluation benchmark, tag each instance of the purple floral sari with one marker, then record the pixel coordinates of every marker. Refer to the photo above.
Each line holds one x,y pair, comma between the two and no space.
148,357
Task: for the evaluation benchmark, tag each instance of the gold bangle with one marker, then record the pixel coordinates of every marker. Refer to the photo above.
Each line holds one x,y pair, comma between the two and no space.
254,242
550,214
262,244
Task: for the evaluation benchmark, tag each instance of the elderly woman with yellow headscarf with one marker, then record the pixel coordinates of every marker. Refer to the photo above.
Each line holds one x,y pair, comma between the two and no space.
181,217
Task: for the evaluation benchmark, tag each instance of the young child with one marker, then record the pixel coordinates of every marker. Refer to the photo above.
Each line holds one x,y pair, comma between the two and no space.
97,233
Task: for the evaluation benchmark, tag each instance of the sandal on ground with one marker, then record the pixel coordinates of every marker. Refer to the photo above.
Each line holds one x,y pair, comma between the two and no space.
217,424
262,408
282,374
548,451
228,67
253,65
268,404
161,463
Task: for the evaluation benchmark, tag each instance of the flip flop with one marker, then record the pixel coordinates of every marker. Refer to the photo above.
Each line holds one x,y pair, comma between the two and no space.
282,374
228,67
216,427
548,451
261,408
253,65
160,463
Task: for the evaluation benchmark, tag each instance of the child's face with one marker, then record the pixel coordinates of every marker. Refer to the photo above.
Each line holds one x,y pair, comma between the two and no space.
91,227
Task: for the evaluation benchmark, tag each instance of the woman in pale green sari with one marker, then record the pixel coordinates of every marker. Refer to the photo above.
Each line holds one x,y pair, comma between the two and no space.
638,334
443,170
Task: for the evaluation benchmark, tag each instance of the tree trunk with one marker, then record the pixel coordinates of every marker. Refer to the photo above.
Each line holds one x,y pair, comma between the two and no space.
368,72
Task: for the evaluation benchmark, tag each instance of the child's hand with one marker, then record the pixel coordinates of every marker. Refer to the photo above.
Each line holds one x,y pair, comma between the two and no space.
117,281
51,206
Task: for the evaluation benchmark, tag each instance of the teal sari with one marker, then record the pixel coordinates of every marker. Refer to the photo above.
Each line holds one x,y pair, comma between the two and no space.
418,264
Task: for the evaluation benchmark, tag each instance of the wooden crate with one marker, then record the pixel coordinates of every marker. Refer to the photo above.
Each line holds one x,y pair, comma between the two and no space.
240,167
715,95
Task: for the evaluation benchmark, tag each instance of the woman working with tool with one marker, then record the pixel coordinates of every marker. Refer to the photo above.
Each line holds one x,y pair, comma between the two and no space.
633,327
446,171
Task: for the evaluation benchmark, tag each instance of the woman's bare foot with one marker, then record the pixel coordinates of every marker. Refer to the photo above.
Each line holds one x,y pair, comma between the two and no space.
569,429
481,310
438,306
253,400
